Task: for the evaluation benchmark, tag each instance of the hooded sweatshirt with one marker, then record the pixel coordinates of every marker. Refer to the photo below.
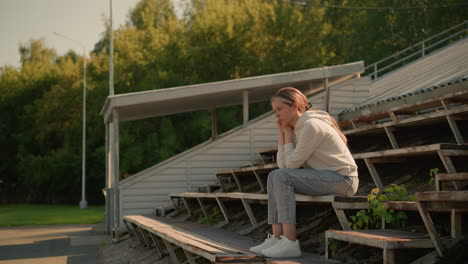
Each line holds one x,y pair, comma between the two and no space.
316,145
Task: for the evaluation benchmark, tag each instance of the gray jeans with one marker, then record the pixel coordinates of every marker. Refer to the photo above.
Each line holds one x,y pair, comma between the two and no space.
283,184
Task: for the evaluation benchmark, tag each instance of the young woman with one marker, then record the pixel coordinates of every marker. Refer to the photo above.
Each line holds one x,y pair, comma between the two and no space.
313,159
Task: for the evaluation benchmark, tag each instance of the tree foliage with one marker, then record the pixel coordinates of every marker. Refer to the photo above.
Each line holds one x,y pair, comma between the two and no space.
40,102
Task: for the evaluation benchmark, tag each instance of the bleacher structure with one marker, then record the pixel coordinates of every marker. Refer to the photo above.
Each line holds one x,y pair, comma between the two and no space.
424,123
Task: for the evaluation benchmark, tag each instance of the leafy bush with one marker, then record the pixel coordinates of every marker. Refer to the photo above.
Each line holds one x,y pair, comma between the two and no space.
372,217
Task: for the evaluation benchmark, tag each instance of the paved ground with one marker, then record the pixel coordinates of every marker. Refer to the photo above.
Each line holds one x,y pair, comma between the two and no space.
65,244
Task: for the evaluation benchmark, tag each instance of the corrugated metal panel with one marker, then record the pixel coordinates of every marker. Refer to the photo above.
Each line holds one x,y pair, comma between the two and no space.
440,67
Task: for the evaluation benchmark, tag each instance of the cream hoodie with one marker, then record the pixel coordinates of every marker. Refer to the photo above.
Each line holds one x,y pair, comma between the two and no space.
316,145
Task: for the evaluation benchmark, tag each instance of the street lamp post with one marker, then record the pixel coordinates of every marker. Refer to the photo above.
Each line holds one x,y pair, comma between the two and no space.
83,202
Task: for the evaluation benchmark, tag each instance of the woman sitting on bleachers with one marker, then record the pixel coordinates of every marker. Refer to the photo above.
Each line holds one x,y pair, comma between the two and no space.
313,159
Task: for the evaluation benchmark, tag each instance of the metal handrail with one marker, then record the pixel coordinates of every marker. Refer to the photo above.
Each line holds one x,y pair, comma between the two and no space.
423,51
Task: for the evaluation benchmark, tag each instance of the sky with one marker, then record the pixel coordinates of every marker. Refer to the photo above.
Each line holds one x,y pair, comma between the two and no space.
80,20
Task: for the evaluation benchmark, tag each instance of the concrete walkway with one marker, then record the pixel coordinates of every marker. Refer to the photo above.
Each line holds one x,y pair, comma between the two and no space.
64,244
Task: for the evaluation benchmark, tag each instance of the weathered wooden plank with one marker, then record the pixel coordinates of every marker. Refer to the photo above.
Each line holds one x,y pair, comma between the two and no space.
443,196
250,169
449,177
176,239
409,121
430,227
179,236
461,176
391,137
350,205
264,197
390,239
410,151
373,171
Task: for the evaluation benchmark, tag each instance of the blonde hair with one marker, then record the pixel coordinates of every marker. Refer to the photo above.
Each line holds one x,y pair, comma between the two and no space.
291,95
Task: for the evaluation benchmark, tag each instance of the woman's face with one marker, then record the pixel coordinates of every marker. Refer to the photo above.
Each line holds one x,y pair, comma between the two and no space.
284,112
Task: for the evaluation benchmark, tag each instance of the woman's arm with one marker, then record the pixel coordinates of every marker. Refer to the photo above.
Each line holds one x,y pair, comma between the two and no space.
309,138
279,155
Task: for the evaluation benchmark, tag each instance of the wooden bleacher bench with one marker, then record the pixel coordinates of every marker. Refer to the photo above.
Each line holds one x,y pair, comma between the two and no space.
245,198
410,121
411,107
209,187
247,170
388,240
443,150
454,202
449,177
198,240
150,229
390,127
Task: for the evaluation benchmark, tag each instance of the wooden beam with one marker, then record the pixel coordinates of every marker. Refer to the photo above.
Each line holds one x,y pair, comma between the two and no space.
236,180
444,103
189,256
156,245
449,167
388,256
389,160
456,226
171,251
262,187
187,206
342,218
445,196
245,106
214,124
430,227
327,93
202,206
451,149
144,237
137,233
455,130
223,209
374,174
391,136
249,212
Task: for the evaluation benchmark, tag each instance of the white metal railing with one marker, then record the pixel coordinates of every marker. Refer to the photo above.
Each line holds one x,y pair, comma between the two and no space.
416,51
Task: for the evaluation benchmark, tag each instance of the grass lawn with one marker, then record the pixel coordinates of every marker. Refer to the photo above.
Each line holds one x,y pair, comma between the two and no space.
22,214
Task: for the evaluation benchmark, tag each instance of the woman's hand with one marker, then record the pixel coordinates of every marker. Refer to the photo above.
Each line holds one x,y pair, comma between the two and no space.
279,125
287,130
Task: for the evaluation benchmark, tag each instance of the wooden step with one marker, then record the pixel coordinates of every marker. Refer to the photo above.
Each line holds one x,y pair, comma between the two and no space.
449,177
209,187
454,149
191,243
455,92
388,240
444,150
216,245
246,198
248,170
455,201
407,122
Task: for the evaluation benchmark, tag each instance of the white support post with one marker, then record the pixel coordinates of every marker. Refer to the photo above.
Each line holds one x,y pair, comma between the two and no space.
245,106
108,181
326,89
214,124
114,141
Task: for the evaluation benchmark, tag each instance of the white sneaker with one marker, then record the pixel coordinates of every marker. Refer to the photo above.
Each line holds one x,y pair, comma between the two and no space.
271,240
285,248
